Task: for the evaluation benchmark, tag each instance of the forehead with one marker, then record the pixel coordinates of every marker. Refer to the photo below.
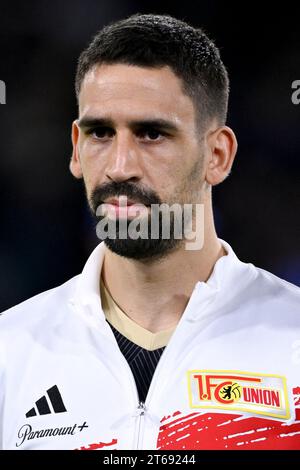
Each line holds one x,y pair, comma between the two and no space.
134,91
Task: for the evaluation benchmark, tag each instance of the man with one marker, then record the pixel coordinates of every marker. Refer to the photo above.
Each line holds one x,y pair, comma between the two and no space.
160,342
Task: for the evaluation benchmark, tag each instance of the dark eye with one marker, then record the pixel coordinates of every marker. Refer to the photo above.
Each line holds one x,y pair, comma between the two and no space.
101,132
150,134
153,134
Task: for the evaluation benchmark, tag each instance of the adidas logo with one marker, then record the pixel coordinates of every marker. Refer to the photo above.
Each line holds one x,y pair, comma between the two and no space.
42,404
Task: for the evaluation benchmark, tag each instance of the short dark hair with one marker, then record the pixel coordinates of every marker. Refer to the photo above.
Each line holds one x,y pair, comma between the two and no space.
161,40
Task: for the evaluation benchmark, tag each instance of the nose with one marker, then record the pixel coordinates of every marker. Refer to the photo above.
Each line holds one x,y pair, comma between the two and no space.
124,161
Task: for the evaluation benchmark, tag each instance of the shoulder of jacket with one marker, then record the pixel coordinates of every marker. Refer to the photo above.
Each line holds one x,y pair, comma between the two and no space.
268,286
33,308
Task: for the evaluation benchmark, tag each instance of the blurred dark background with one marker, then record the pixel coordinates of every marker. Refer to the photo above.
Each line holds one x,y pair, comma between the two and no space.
46,231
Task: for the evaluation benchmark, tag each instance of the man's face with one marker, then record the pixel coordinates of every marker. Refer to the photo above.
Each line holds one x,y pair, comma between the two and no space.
137,137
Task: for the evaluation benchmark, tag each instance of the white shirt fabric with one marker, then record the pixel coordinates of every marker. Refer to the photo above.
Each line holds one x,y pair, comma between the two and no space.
228,379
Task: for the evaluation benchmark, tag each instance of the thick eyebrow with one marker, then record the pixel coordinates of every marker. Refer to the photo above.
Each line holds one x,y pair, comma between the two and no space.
89,122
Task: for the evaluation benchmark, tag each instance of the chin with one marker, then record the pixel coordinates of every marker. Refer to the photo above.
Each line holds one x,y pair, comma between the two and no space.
142,249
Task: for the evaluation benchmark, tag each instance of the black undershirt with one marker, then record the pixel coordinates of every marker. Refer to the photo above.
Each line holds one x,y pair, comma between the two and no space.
141,361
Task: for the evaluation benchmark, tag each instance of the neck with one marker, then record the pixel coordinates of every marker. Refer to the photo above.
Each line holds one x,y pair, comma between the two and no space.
160,291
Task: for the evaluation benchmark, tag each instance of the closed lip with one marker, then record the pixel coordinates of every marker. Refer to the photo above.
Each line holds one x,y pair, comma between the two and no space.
122,201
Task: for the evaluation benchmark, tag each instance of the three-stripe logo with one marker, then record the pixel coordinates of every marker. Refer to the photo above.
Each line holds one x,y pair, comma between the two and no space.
42,405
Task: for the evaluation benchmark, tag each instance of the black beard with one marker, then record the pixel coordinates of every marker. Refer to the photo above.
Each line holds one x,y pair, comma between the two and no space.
141,248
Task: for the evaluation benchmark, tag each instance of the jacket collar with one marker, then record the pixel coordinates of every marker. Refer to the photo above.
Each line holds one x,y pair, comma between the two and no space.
228,273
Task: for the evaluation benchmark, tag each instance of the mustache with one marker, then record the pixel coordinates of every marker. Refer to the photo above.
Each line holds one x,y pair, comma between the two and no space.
139,194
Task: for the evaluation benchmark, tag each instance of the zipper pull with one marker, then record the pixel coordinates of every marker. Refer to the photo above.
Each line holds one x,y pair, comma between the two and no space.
141,408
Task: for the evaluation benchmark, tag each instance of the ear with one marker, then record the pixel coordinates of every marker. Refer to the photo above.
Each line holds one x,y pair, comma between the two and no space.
222,146
75,165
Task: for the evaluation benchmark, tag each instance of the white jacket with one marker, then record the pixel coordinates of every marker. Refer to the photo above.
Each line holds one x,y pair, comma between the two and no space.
228,379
